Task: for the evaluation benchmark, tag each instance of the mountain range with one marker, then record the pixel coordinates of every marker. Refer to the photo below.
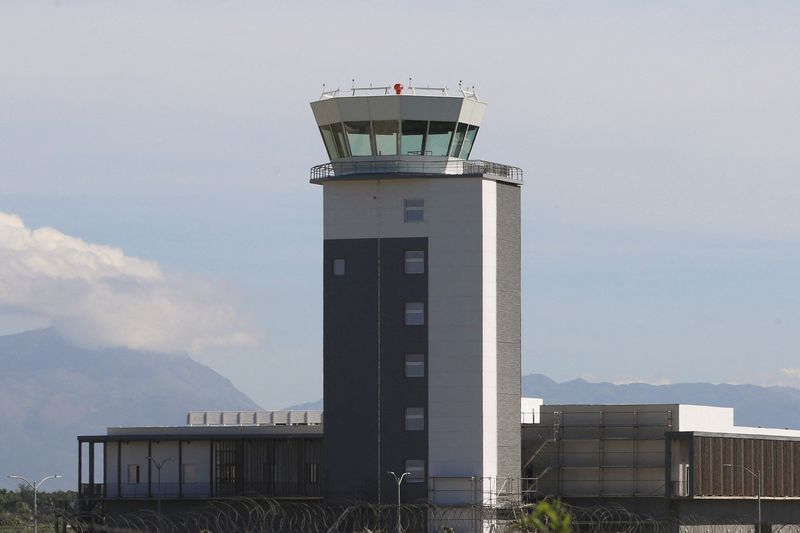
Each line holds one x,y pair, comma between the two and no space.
777,407
51,391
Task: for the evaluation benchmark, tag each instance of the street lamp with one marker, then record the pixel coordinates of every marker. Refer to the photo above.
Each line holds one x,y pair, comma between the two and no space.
159,466
756,475
35,486
399,481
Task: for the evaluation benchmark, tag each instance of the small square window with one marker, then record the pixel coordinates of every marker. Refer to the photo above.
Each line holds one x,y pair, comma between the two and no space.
414,210
339,267
415,418
416,470
415,365
133,474
415,262
415,314
189,473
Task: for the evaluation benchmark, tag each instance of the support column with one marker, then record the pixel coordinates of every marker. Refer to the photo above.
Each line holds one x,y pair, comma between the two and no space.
80,467
149,469
119,469
180,468
211,467
91,469
105,469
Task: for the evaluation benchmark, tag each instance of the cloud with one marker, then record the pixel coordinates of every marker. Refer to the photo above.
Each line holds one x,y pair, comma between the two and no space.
791,372
98,296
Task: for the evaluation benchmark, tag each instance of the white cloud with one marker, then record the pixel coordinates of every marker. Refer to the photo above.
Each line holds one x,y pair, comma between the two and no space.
98,296
791,372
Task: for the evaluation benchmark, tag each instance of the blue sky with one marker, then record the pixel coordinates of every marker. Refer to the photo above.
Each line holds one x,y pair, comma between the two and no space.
661,236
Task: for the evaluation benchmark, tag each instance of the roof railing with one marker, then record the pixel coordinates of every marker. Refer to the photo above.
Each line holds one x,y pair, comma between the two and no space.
387,90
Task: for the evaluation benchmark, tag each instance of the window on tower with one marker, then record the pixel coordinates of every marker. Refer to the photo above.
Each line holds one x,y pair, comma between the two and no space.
458,140
414,210
415,365
469,140
416,470
387,133
330,142
358,135
412,140
339,267
415,314
415,418
415,262
339,139
439,134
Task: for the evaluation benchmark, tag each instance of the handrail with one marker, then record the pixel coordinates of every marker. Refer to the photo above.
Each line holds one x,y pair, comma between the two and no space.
456,167
390,90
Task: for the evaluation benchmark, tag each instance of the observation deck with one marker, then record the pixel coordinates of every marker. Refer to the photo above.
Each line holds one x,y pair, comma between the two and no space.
393,132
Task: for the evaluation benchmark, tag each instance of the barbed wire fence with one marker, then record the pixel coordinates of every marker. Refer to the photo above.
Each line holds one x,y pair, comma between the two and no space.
264,515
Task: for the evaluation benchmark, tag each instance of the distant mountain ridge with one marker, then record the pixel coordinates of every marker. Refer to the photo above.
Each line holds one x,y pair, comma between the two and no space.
51,391
753,405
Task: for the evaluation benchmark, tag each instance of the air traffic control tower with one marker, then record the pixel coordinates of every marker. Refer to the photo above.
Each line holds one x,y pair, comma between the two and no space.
421,298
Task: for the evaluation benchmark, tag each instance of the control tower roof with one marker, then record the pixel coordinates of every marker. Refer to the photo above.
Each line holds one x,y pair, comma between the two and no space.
401,131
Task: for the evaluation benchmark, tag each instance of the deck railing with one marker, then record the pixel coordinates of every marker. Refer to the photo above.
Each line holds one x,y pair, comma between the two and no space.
421,166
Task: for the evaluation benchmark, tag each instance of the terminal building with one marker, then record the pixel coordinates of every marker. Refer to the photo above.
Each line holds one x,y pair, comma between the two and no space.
421,354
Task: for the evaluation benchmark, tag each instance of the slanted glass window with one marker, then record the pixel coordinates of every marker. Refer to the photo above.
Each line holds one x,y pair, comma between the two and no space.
415,262
416,470
339,266
358,135
412,141
330,143
415,418
415,314
339,139
133,474
414,210
386,133
439,134
469,140
458,140
189,473
415,365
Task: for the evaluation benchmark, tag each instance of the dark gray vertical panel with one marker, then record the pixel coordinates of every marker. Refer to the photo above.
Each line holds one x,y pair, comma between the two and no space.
398,392
508,330
350,370
119,469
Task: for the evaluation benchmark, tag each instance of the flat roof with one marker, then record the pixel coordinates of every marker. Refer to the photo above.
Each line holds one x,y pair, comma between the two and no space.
204,432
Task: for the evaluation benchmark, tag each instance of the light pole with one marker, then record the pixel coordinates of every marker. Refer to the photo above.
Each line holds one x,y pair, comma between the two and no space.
35,486
159,466
756,475
399,481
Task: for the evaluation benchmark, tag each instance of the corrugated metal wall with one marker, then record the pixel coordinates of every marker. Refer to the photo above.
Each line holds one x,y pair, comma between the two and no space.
270,467
777,460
